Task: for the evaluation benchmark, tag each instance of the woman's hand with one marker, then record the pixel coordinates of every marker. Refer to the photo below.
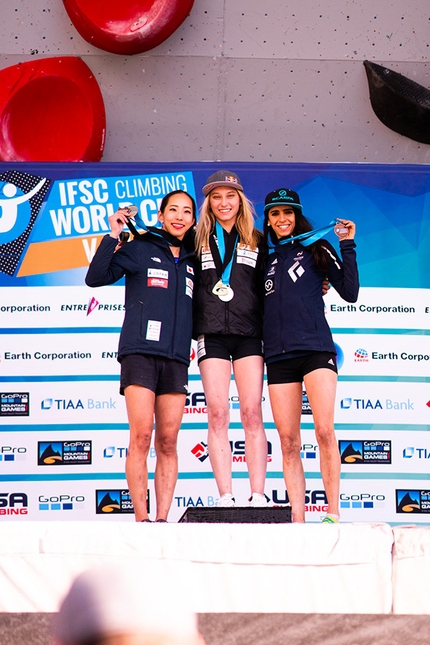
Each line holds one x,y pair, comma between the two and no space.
117,221
347,234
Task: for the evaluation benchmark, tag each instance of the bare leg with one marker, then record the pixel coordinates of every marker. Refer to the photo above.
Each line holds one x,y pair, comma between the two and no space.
140,411
321,390
169,409
286,403
248,374
216,374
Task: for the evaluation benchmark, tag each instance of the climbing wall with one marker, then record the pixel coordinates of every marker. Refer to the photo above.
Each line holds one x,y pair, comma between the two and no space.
245,80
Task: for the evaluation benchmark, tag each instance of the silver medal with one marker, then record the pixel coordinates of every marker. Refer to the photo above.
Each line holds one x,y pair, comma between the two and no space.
223,291
227,294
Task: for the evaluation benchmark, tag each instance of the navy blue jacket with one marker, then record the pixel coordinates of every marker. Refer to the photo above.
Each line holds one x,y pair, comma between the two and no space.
158,295
294,317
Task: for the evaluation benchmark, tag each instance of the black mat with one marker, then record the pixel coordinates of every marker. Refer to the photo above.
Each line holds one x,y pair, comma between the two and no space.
238,515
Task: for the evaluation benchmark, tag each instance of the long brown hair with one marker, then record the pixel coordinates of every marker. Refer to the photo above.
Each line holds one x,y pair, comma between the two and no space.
245,219
302,225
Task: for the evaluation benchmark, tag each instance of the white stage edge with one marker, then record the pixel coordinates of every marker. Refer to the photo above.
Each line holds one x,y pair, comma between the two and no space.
250,568
254,568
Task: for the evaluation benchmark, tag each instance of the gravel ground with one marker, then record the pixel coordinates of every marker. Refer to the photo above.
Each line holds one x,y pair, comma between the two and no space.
260,629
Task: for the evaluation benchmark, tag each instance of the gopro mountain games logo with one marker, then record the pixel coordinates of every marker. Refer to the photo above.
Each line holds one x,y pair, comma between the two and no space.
114,501
21,198
64,453
412,501
365,452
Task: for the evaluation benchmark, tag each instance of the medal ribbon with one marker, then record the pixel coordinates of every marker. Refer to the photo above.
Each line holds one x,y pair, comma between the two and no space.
139,221
305,239
225,277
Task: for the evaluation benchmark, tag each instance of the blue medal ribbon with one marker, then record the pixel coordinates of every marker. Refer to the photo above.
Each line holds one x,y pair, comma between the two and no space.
139,221
225,278
305,239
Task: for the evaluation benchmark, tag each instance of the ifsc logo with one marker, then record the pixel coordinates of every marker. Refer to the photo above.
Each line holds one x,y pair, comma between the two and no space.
21,197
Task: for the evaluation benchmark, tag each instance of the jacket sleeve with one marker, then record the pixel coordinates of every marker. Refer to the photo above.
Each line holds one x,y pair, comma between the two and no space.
343,275
105,267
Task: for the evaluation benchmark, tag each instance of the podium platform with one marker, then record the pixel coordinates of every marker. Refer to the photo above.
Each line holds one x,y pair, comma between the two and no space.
220,567
238,515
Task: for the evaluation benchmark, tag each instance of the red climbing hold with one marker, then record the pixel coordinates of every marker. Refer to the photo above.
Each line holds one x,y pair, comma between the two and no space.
51,110
127,26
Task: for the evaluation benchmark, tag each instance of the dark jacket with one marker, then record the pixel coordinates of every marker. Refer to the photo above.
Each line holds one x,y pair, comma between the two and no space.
243,315
294,317
158,295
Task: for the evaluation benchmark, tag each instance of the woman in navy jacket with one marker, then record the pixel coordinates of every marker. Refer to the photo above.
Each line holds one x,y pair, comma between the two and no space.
298,345
155,341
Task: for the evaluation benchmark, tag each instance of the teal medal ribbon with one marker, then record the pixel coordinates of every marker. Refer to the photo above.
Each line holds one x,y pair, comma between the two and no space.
133,215
222,288
305,239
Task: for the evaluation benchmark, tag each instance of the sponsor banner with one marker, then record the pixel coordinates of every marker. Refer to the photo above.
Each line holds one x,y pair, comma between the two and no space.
195,405
361,501
55,402
365,452
66,307
65,232
362,452
42,451
194,456
59,339
21,199
384,355
413,451
54,354
413,501
109,500
64,453
380,309
64,500
402,403
14,404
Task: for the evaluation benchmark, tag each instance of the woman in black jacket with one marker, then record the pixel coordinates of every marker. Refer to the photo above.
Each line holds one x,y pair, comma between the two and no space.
298,345
228,328
154,346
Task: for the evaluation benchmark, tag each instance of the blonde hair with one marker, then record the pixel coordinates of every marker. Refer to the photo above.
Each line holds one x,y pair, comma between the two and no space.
245,219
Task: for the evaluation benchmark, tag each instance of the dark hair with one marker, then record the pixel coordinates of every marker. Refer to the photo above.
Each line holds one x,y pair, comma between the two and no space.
166,199
302,225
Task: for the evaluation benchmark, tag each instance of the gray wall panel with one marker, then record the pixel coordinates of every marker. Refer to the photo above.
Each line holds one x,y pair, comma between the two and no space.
328,29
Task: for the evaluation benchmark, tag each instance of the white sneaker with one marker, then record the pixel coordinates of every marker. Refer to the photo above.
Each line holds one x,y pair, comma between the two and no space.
226,501
258,500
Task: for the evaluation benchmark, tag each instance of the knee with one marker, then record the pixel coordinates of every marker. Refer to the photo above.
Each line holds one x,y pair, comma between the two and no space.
140,443
219,418
165,445
326,438
252,420
290,447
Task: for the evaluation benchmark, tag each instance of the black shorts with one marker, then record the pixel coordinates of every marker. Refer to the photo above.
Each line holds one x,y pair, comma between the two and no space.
158,374
292,370
227,346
